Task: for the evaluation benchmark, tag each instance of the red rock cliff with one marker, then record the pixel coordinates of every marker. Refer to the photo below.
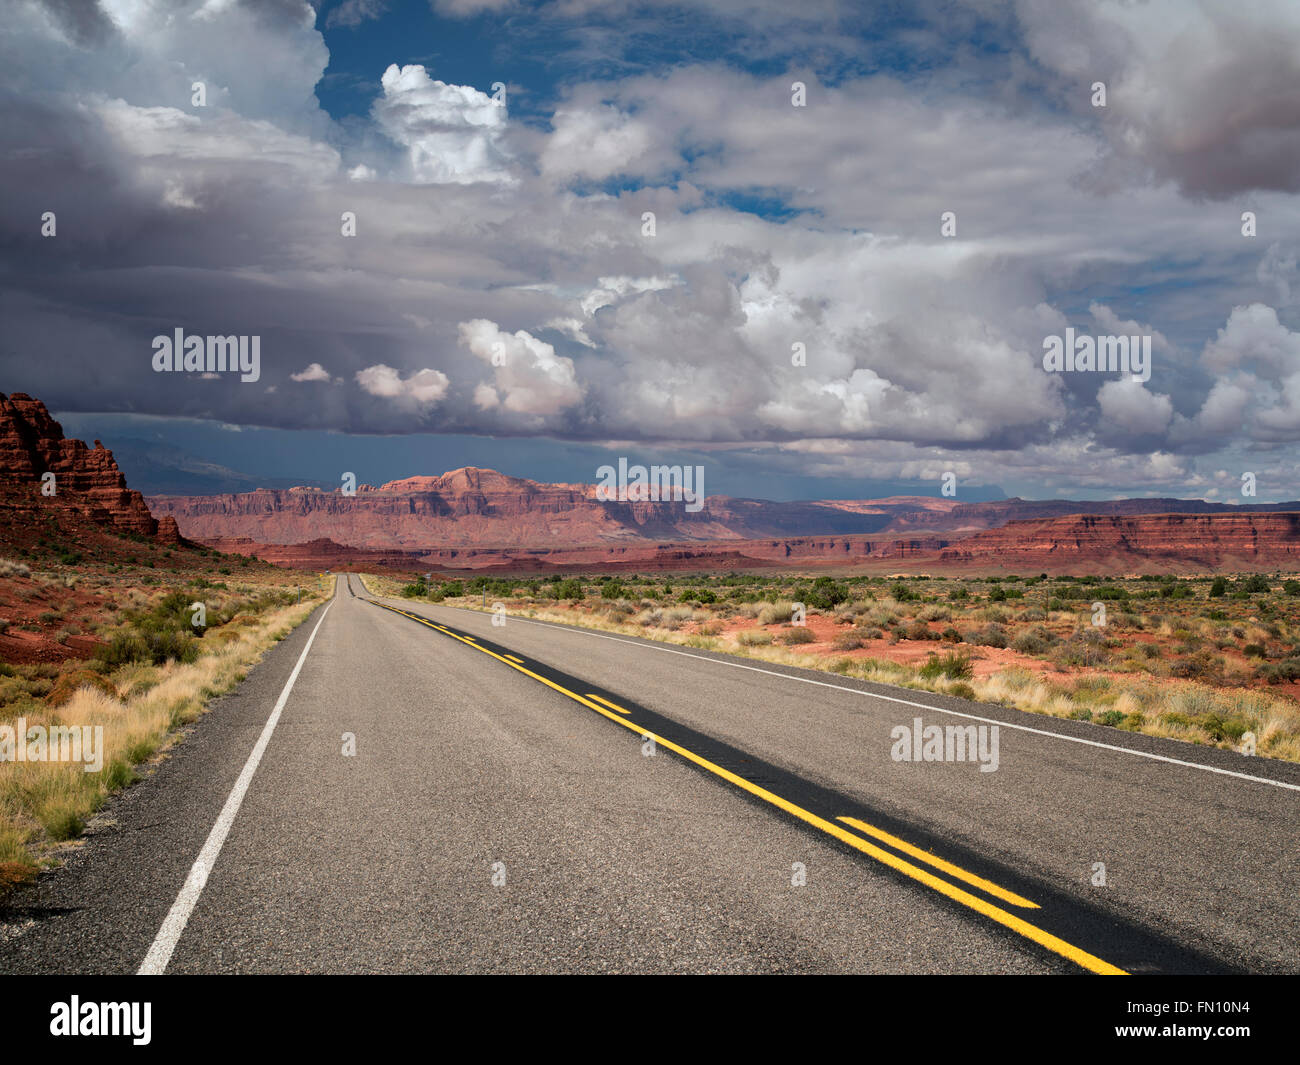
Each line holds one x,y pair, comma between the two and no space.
86,480
1213,541
486,508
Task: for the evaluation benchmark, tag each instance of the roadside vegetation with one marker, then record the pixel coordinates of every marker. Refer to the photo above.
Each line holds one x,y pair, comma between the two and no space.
117,646
1211,660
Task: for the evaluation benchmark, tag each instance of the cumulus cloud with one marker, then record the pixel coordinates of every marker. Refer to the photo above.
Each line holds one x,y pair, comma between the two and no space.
777,226
1253,336
314,372
422,388
1199,94
450,133
1129,406
1258,359
595,142
1224,410
529,377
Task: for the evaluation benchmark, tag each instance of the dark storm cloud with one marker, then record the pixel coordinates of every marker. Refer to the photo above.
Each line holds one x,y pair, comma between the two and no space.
84,21
476,234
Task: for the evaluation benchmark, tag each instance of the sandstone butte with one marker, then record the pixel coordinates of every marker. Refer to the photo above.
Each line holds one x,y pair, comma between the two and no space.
87,481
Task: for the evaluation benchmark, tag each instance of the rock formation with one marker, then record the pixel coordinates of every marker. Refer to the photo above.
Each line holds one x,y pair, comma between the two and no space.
1101,543
1079,544
86,480
482,507
474,509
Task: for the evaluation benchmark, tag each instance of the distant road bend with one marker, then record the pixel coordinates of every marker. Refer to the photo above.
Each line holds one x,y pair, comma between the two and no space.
407,787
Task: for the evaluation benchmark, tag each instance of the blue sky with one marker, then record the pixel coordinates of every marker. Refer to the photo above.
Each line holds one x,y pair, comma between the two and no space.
502,303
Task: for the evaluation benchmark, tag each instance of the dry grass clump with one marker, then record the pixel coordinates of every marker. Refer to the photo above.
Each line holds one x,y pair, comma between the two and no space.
139,706
776,613
1210,679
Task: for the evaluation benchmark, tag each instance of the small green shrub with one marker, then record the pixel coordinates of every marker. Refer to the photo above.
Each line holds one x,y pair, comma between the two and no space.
1032,641
992,635
1280,672
952,665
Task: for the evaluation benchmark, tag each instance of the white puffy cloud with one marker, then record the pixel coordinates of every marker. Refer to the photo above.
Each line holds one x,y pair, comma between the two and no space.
422,388
314,372
834,406
1258,360
450,133
1225,409
261,60
923,353
527,372
1130,406
1253,336
595,142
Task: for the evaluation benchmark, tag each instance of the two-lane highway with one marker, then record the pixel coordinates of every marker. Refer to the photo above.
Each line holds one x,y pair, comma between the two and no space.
419,790
1166,857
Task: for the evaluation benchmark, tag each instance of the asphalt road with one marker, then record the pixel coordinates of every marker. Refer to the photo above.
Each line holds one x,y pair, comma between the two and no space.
533,798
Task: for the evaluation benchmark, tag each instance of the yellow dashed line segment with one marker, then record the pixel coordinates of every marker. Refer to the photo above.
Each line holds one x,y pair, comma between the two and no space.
606,702
955,871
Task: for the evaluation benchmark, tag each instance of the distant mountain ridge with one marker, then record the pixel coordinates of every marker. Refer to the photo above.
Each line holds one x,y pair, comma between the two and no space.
480,519
1079,544
472,507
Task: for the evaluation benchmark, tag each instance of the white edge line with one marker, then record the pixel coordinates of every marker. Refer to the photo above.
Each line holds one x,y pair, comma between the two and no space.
160,953
651,645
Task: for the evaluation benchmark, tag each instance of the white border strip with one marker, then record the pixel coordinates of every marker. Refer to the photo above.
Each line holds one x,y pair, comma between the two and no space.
651,645
155,962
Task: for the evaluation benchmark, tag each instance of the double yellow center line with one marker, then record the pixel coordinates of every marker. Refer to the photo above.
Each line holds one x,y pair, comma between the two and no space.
618,714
